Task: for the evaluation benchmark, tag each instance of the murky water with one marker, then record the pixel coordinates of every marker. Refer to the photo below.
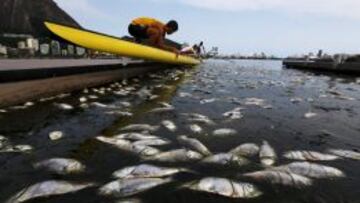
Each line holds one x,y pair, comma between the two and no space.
290,109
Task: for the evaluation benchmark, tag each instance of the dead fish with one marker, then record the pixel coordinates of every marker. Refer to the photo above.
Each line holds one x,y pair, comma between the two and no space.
310,115
140,127
56,135
248,150
128,187
47,188
122,93
162,109
140,150
207,101
178,155
223,132
146,171
296,100
225,159
234,114
345,153
136,136
169,125
61,166
254,102
195,128
93,97
152,142
267,154
281,178
64,106
17,148
129,201
194,144
185,94
83,99
194,117
227,188
309,156
312,170
120,113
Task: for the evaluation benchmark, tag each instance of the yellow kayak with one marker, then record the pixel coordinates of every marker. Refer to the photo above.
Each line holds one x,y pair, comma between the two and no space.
113,45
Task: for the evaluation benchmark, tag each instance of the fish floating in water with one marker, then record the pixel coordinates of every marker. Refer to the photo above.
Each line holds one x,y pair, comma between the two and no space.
247,150
234,114
345,153
223,132
310,115
207,101
61,166
194,144
129,187
198,118
267,154
226,188
225,159
64,106
140,150
312,170
146,171
169,125
152,142
178,155
136,136
47,188
309,156
140,127
56,135
195,128
281,178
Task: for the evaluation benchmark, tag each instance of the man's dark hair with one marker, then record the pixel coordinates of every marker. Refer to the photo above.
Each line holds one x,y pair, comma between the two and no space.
173,25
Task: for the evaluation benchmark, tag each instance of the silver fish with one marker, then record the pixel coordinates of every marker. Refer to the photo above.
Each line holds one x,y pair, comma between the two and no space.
194,144
309,156
195,128
225,159
145,171
198,118
64,106
136,136
47,188
223,132
281,178
152,142
128,187
267,154
161,110
248,150
234,114
61,166
169,125
207,101
312,170
227,188
140,127
345,153
178,155
140,150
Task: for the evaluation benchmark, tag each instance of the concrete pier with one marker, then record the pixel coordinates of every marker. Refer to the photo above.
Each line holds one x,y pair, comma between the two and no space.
26,80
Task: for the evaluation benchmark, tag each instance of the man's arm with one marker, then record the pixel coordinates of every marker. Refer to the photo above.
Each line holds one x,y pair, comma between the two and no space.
157,39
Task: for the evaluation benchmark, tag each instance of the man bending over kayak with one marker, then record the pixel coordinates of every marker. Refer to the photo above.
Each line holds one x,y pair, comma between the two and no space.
153,30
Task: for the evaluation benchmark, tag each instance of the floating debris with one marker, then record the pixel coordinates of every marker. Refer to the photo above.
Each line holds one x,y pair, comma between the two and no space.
312,170
169,125
146,171
281,178
309,156
140,127
227,188
178,155
128,187
195,128
194,144
64,106
223,132
225,159
310,115
267,154
47,188
345,153
56,135
61,166
247,149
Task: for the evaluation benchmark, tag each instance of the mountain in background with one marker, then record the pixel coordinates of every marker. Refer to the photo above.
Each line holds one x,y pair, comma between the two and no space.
27,16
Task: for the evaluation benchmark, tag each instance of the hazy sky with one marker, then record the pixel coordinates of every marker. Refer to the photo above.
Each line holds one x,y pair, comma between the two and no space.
280,27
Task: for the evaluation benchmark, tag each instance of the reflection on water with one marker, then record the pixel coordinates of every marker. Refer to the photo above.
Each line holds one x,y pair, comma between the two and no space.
224,131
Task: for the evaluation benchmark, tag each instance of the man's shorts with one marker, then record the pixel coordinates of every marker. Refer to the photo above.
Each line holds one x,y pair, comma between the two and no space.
138,32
